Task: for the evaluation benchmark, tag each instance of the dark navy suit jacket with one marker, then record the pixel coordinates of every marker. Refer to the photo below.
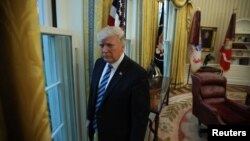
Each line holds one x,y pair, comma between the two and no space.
123,114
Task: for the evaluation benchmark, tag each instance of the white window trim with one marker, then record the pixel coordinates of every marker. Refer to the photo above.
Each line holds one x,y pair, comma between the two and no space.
58,31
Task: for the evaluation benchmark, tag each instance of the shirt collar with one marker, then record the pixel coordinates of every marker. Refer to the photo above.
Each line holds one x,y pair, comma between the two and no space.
118,62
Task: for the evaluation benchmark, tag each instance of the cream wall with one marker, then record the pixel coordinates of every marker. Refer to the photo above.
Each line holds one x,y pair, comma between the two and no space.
217,13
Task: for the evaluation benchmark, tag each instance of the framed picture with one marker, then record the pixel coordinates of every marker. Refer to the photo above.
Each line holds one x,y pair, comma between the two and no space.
208,36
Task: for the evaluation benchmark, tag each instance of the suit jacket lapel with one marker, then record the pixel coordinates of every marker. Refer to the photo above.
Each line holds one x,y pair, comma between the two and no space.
121,70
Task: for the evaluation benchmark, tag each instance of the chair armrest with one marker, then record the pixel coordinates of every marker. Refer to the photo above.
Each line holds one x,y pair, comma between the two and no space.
243,109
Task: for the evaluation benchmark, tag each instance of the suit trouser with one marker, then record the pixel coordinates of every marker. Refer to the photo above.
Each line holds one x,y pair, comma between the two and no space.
95,136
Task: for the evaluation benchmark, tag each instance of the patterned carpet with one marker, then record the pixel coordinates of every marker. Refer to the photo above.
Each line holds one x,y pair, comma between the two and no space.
176,120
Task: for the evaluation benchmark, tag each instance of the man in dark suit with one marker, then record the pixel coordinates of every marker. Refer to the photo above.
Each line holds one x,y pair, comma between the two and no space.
123,112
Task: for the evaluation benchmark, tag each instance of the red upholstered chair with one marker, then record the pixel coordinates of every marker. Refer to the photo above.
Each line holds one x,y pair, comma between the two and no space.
210,103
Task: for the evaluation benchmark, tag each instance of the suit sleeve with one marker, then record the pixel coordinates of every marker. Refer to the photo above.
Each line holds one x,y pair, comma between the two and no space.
140,109
91,101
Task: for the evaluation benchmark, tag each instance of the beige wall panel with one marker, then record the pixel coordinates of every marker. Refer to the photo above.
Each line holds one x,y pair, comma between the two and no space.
217,13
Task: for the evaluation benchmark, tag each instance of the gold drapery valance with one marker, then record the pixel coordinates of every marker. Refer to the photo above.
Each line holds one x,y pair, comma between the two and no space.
179,3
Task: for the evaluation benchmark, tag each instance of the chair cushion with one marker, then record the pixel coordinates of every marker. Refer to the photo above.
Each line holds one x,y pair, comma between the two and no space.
214,100
214,91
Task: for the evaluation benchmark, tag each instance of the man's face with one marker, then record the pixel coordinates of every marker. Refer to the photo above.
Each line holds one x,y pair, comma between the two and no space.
112,49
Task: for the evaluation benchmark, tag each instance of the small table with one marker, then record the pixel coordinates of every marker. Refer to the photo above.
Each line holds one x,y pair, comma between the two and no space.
159,95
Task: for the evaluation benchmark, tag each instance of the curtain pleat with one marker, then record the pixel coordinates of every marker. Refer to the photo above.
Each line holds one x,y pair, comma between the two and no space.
23,105
149,31
102,10
180,47
100,17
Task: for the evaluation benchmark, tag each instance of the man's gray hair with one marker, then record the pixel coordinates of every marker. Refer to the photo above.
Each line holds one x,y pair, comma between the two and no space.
111,31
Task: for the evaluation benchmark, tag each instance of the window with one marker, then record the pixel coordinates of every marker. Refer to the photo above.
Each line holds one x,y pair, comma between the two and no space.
47,12
58,72
59,84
